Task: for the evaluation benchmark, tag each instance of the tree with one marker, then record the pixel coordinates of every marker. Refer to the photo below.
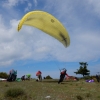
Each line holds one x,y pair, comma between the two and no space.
48,77
83,69
3,75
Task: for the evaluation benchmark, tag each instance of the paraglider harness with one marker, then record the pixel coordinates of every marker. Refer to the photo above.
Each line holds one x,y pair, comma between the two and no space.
62,75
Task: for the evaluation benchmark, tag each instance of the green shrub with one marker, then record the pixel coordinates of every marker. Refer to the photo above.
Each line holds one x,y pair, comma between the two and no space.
87,77
14,92
88,95
48,77
6,85
79,97
95,79
3,75
98,96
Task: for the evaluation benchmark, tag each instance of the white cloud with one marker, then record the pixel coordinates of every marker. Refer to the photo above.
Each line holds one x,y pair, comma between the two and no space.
28,7
10,3
35,2
34,44
31,43
95,6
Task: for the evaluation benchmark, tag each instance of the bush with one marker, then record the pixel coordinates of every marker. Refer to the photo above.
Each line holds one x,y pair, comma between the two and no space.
87,77
79,97
14,92
48,77
88,95
3,75
95,80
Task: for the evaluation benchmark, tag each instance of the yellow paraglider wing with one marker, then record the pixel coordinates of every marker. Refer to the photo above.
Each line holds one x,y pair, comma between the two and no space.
47,23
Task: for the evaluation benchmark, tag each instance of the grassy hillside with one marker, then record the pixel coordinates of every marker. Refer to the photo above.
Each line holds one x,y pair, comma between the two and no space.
50,90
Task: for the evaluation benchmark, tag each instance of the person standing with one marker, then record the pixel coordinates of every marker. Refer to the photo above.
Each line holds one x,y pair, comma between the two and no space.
97,77
39,76
23,78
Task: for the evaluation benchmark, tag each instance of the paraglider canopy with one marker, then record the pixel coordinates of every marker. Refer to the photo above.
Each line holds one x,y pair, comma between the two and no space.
28,75
46,23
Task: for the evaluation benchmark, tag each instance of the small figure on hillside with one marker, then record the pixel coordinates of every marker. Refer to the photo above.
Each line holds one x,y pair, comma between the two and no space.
62,75
23,78
97,77
39,76
44,78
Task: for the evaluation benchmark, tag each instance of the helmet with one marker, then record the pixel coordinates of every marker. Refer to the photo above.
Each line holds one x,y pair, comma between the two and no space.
64,69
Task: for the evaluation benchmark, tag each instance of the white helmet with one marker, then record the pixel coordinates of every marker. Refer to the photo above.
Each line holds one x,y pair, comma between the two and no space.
64,69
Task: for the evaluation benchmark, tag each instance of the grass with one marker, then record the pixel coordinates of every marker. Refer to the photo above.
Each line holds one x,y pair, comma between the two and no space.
14,92
32,90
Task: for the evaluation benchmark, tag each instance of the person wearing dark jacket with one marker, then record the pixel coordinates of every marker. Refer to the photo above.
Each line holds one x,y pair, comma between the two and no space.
12,75
62,75
23,78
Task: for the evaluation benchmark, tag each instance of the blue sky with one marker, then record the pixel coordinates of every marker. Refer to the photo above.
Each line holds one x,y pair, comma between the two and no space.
31,50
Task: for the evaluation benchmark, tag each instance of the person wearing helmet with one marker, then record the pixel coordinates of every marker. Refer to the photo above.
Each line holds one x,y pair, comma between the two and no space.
62,75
